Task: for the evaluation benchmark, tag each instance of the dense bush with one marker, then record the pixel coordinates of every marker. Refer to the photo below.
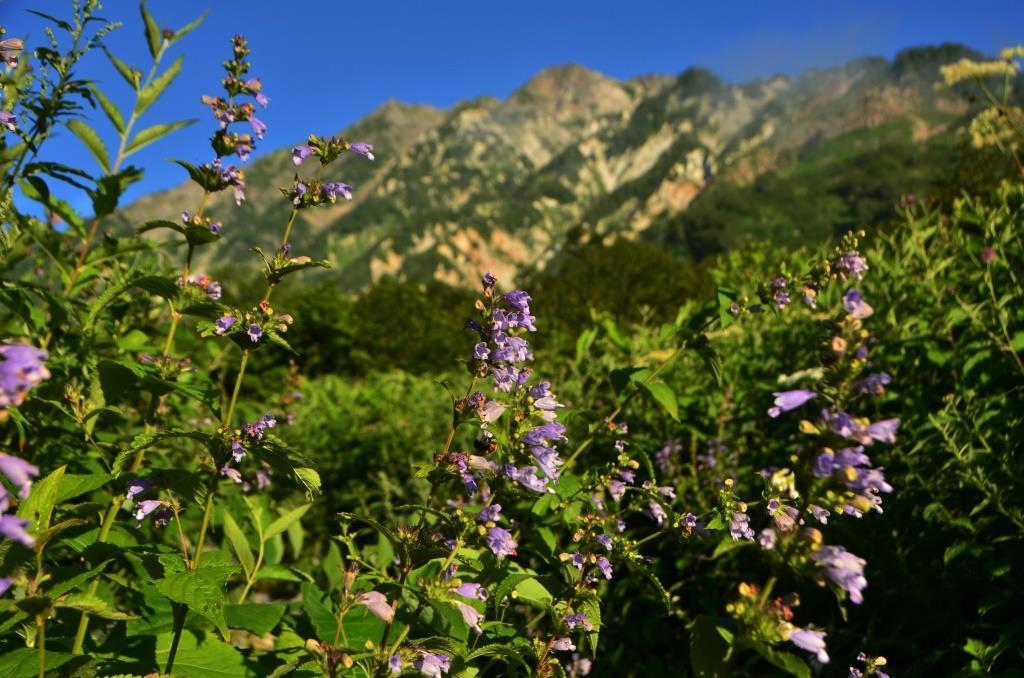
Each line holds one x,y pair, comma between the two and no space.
790,461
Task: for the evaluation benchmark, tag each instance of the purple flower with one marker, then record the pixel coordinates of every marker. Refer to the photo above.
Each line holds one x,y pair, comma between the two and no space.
789,400
376,603
811,641
489,514
820,514
604,566
689,521
471,616
739,526
9,120
19,472
580,666
852,264
137,487
232,473
433,665
395,664
488,282
362,148
563,644
332,190
656,513
255,332
4,585
472,591
145,507
300,153
873,384
500,542
481,352
604,540
519,300
884,431
856,306
528,477
224,323
237,450
13,528
767,538
666,456
21,368
299,191
548,461
843,569
617,489
262,479
542,434
259,128
578,619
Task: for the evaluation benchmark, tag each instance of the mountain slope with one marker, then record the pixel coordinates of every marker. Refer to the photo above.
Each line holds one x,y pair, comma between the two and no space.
500,184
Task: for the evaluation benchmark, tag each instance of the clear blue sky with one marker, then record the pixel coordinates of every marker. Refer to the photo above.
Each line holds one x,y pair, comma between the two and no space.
325,64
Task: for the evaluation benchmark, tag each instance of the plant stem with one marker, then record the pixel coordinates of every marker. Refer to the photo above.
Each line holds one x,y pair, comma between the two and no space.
41,642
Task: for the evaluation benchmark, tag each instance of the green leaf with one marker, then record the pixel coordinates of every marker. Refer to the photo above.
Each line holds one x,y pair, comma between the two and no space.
109,107
790,663
38,508
153,91
258,619
201,656
165,287
509,583
131,76
200,590
87,135
73,485
239,542
320,611
592,608
23,662
708,649
59,207
285,521
533,591
154,133
154,36
188,28
94,605
664,395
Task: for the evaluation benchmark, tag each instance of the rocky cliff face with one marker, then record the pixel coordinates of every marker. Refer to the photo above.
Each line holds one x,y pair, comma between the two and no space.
498,185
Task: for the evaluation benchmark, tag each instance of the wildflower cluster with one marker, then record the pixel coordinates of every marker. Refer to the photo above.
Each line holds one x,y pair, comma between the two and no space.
312,192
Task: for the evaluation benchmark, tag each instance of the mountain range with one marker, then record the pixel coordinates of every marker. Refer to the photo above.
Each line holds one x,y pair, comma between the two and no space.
690,162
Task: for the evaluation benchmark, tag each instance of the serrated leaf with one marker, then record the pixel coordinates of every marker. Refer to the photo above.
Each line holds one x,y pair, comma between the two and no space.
154,133
88,136
320,611
285,521
154,36
790,663
239,542
200,590
109,107
153,91
163,287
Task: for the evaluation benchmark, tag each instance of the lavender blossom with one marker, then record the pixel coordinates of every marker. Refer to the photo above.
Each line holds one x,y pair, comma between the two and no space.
604,540
9,120
255,332
362,148
789,400
13,528
300,153
856,306
852,264
811,641
376,603
21,368
431,664
604,566
224,323
471,616
843,569
395,664
331,191
471,591
146,507
137,487
873,384
739,526
489,514
500,542
19,472
562,644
